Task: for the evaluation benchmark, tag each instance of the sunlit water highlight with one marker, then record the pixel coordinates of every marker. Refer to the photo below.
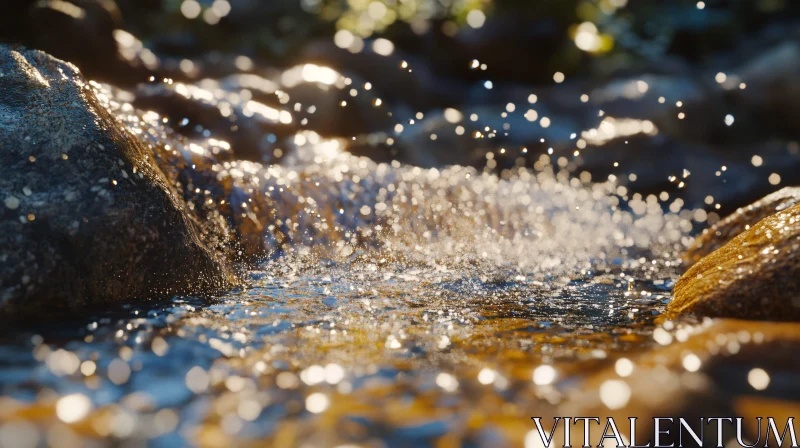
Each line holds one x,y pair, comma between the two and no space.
396,304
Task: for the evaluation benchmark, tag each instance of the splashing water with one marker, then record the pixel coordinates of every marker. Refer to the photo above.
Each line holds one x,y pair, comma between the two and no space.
395,303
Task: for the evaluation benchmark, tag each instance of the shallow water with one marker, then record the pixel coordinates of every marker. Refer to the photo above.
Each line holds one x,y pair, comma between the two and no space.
406,338
348,354
397,305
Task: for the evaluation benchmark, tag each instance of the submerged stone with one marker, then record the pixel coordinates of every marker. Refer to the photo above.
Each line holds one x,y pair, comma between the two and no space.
87,215
756,275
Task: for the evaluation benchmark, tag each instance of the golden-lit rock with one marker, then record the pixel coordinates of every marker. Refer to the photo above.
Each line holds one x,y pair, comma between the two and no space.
720,233
756,275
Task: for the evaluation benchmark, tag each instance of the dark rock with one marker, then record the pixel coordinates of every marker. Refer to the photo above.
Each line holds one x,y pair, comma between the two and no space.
772,90
257,114
87,216
84,32
194,110
658,162
756,275
11,25
80,30
368,111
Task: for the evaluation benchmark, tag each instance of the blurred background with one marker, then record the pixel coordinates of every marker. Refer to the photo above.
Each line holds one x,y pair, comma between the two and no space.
649,92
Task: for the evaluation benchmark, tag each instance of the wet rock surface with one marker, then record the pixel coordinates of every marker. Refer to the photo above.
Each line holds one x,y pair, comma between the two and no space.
740,221
755,274
87,215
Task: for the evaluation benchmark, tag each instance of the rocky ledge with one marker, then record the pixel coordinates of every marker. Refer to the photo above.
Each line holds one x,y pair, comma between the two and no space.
86,214
754,275
720,233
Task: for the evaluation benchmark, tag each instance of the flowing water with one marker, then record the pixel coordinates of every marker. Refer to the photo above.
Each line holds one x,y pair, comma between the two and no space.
396,305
